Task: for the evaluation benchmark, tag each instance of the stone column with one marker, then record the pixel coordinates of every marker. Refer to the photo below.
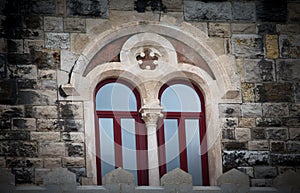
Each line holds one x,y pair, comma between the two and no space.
151,113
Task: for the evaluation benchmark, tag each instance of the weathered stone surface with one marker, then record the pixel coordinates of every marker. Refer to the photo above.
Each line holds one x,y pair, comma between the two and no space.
18,33
44,112
277,133
33,45
80,173
247,170
8,89
14,135
229,110
22,71
13,162
285,159
201,11
38,7
280,92
45,136
77,137
270,11
228,134
272,48
266,28
289,46
19,59
74,25
294,133
294,12
234,145
247,45
23,175
242,134
126,5
259,70
73,125
287,182
47,74
293,147
288,70
53,24
251,110
246,122
118,176
91,8
60,179
173,5
27,84
219,29
277,147
75,149
15,46
51,149
50,125
48,84
297,92
52,162
57,40
79,42
39,174
73,162
260,145
269,122
288,29
258,133
46,59
36,97
19,148
33,22
71,110
3,69
243,11
261,182
233,159
275,109
243,28
11,111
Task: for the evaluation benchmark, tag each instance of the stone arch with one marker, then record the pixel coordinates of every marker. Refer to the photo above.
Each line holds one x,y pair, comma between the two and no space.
218,86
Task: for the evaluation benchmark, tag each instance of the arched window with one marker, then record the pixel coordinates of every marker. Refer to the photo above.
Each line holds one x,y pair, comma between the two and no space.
120,135
182,131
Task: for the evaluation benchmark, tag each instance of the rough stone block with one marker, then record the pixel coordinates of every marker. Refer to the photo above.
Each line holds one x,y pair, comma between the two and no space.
289,46
57,40
39,175
294,133
94,8
246,122
261,182
288,70
265,172
297,92
234,145
27,84
126,5
177,180
243,11
259,70
201,11
71,110
8,90
33,22
249,92
48,85
19,59
260,145
242,134
60,179
258,133
235,181
266,28
243,28
53,24
219,30
52,162
294,12
293,147
14,135
173,5
73,125
38,7
277,133
79,42
75,149
269,122
229,110
23,175
288,29
47,74
272,48
23,71
277,92
251,110
13,162
46,59
285,159
77,137
119,180
44,112
37,97
52,149
50,125
19,148
80,173
74,25
30,45
270,11
3,68
247,45
45,136
15,46
275,109
73,162
277,147
247,170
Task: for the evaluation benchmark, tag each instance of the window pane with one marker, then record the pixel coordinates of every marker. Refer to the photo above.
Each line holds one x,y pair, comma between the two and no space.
180,98
129,146
193,150
171,143
107,150
115,97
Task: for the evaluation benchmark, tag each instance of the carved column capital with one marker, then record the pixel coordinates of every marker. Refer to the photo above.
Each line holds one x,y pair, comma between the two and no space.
151,112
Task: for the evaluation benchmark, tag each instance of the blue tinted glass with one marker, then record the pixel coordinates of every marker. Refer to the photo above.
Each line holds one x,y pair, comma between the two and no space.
180,98
115,97
107,147
171,143
129,146
193,150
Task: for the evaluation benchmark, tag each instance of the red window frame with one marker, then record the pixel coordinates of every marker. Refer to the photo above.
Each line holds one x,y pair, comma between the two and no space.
181,116
140,129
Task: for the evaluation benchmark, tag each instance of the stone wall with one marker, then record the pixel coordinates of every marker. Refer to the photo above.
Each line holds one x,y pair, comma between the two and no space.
38,132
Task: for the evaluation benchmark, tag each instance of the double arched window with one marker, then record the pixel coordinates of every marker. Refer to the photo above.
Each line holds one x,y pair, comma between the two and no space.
121,139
